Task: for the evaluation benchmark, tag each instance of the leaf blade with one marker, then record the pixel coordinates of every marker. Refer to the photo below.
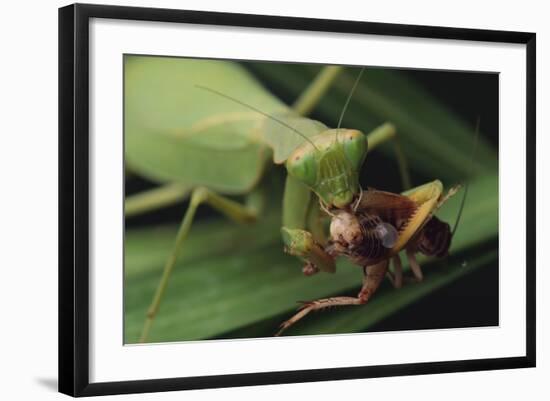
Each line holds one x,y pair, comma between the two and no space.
234,276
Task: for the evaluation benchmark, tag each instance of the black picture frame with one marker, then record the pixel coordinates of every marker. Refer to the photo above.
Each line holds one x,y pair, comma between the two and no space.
74,198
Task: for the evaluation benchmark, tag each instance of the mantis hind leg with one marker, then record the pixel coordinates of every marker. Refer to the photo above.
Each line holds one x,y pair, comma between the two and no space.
373,276
235,211
387,132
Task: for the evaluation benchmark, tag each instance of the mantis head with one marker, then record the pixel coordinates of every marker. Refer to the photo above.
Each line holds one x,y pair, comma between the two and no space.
329,164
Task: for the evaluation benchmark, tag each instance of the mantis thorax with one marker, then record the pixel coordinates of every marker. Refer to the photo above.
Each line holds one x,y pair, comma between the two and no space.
330,165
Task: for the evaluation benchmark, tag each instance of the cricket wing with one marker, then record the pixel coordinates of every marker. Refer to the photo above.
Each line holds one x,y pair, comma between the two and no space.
406,212
393,208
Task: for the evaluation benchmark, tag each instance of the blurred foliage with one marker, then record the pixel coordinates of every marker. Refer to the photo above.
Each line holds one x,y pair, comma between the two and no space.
235,281
434,138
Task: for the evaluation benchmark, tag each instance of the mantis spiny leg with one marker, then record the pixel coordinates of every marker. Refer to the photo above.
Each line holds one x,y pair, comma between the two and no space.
314,222
234,210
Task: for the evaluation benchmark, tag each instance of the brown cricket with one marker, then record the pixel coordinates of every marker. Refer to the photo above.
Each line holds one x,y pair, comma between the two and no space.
373,232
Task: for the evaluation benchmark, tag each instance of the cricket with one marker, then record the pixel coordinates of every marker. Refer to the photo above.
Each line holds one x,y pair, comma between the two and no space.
326,214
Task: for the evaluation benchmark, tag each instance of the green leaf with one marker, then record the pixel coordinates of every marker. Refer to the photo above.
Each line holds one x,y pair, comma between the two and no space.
176,131
231,276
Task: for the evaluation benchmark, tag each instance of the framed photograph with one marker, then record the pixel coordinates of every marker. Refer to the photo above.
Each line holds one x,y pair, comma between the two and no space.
251,199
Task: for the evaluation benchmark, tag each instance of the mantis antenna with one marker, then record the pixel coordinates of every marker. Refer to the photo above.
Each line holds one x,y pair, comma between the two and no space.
258,111
463,201
349,98
340,123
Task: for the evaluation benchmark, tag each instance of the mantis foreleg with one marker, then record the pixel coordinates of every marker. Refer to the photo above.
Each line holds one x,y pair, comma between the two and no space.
315,222
234,210
300,212
302,244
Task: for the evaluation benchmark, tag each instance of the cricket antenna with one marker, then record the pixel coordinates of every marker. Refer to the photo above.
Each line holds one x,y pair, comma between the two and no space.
463,201
349,98
258,111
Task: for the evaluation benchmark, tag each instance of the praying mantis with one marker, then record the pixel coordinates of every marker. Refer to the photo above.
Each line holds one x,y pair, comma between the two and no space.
322,166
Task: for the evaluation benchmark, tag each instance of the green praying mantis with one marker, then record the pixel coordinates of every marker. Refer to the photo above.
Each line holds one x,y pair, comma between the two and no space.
322,164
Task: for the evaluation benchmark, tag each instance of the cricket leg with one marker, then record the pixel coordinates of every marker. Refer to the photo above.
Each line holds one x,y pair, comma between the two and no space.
450,193
396,278
415,267
373,276
235,211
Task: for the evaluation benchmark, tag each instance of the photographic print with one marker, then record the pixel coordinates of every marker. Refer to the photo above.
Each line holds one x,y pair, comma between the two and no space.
314,200
281,199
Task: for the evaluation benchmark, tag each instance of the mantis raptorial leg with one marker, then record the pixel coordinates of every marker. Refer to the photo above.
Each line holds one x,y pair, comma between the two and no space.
315,222
235,211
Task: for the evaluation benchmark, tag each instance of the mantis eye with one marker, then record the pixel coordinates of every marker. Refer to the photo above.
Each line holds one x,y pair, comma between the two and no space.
387,234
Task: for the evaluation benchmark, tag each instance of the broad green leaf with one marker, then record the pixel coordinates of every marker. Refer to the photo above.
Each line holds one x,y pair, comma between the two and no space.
232,276
176,131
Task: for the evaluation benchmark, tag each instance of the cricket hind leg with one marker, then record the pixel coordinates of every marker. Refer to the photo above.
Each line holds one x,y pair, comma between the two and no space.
237,212
396,277
415,267
372,277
